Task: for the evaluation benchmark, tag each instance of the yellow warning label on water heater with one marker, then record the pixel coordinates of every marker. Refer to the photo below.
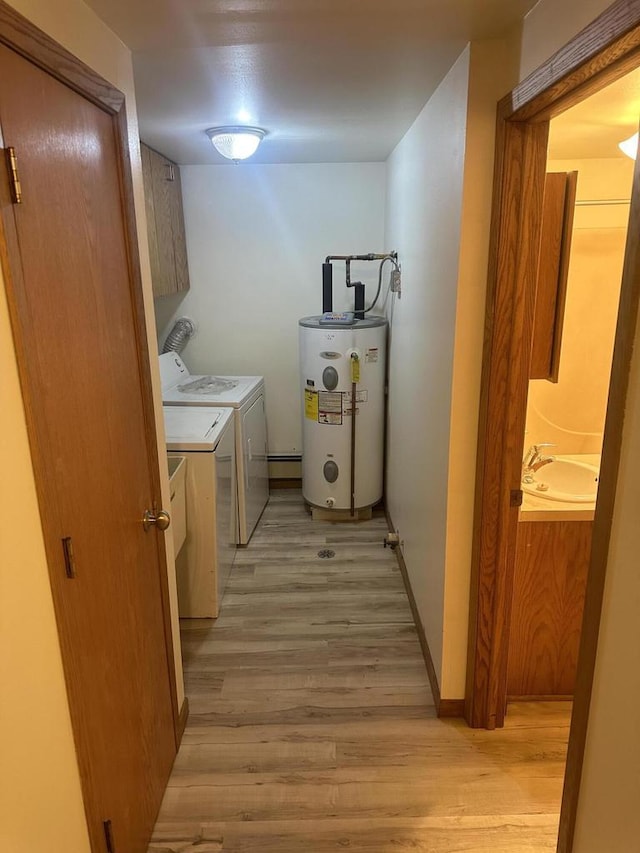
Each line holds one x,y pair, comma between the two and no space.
355,368
311,405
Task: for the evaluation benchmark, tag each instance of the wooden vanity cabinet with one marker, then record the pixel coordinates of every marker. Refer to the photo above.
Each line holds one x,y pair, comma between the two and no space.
552,561
165,223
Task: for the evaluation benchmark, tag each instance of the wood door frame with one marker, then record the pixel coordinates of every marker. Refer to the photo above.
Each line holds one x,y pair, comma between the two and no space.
602,53
23,37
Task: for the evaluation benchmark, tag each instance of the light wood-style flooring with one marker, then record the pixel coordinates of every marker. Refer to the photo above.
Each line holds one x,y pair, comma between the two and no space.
312,725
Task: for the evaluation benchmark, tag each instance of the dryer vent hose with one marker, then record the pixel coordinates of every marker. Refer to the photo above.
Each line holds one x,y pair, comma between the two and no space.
178,337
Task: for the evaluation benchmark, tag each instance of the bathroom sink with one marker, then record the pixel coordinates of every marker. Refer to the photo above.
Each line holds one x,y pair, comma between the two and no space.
565,480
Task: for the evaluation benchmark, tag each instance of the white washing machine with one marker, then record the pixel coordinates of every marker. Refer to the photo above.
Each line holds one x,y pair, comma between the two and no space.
245,394
206,437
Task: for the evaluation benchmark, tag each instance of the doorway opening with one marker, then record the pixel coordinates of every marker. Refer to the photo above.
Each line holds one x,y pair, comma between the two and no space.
602,54
584,230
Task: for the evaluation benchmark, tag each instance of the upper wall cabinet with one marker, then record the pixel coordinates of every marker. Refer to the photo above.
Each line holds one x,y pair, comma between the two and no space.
553,268
165,223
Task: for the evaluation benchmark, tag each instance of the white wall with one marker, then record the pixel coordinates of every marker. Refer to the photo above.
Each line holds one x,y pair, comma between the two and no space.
40,798
438,211
424,210
440,225
256,240
441,228
493,71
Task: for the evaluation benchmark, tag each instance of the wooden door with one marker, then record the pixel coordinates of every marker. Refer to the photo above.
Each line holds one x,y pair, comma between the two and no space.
69,283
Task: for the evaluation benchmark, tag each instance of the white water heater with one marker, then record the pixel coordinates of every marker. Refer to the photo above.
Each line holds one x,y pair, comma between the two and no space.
343,387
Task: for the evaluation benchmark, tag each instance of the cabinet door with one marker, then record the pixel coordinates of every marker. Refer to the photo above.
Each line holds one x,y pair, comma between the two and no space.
162,184
165,223
177,230
553,269
147,177
552,561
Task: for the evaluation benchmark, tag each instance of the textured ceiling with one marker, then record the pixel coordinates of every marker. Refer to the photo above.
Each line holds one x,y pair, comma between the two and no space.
330,80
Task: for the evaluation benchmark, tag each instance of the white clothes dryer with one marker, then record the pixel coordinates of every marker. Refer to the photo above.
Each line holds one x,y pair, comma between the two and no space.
206,437
246,395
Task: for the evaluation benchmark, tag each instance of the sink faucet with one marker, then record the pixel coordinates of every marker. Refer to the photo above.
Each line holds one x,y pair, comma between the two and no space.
534,460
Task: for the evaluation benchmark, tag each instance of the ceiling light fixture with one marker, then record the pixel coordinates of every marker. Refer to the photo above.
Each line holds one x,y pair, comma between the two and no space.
630,146
236,143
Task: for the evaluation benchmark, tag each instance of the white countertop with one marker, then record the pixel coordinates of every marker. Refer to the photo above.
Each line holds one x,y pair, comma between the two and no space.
536,508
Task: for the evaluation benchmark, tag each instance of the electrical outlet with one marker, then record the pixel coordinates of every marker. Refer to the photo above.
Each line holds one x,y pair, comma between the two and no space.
396,281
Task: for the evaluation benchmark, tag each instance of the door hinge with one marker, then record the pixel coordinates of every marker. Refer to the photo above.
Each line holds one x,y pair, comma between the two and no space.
108,836
516,497
69,560
14,178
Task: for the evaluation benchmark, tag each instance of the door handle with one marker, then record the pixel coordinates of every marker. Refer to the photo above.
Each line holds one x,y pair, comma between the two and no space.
160,519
